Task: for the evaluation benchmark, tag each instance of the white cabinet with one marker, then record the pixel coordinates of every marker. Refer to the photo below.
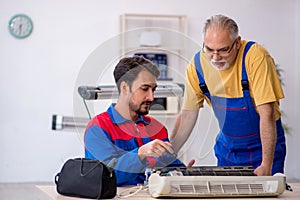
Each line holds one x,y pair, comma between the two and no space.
157,34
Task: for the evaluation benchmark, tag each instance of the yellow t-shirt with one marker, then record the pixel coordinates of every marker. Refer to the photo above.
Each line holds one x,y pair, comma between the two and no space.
264,83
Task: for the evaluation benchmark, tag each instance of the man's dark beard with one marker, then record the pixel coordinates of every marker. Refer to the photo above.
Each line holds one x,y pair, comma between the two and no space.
139,111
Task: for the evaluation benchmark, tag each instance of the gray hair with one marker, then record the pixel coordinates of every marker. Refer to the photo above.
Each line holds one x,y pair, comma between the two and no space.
222,22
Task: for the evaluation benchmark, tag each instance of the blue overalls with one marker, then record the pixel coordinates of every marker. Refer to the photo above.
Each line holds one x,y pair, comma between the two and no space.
238,142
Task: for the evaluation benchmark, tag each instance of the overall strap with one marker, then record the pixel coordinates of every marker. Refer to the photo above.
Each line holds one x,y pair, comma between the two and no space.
245,83
199,71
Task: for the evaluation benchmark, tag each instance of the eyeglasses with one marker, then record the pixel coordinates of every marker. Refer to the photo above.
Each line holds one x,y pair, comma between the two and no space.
221,52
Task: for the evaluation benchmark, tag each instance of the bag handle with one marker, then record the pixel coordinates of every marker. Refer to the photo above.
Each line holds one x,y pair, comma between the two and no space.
89,171
56,178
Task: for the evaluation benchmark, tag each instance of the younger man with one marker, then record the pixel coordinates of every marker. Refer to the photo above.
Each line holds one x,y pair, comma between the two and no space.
124,132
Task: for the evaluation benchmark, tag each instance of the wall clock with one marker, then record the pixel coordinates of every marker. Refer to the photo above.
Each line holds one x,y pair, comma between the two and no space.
20,26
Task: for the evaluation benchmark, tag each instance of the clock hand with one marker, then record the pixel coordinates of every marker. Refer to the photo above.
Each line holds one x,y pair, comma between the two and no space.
20,27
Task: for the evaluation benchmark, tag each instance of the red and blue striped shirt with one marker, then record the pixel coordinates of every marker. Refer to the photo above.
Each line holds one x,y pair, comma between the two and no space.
110,136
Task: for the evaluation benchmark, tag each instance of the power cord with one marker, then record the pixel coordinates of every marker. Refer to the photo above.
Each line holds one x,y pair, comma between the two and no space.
87,109
132,191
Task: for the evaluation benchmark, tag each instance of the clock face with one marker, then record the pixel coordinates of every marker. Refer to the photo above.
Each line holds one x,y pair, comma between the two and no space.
20,26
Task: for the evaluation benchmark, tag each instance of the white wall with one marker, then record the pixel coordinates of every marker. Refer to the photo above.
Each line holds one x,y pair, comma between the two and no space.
38,74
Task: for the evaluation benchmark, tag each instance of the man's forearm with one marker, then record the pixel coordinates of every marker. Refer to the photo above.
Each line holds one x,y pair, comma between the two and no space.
268,140
267,134
184,125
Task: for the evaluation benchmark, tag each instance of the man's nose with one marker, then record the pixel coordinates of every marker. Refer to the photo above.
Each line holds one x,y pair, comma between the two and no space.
216,56
150,95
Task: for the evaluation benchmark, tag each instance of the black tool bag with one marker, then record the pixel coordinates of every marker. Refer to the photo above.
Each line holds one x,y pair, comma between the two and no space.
86,178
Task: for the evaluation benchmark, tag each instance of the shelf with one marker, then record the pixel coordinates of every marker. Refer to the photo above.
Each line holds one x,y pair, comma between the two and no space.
155,33
132,21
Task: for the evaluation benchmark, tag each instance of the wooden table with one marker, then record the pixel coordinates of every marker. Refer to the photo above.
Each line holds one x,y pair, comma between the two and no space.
47,191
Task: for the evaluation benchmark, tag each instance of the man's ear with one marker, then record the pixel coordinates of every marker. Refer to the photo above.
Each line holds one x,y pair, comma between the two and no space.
239,42
124,87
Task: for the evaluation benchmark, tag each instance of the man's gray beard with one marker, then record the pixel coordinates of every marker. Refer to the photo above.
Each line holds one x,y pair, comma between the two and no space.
226,66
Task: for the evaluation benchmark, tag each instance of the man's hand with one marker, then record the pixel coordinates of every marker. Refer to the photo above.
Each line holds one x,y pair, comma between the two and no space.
155,148
263,171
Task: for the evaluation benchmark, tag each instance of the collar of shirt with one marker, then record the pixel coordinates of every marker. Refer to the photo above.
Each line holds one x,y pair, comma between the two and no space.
118,119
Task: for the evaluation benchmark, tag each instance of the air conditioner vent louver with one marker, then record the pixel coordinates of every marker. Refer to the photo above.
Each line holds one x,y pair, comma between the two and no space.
216,189
257,188
186,188
229,189
201,189
243,188
220,189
